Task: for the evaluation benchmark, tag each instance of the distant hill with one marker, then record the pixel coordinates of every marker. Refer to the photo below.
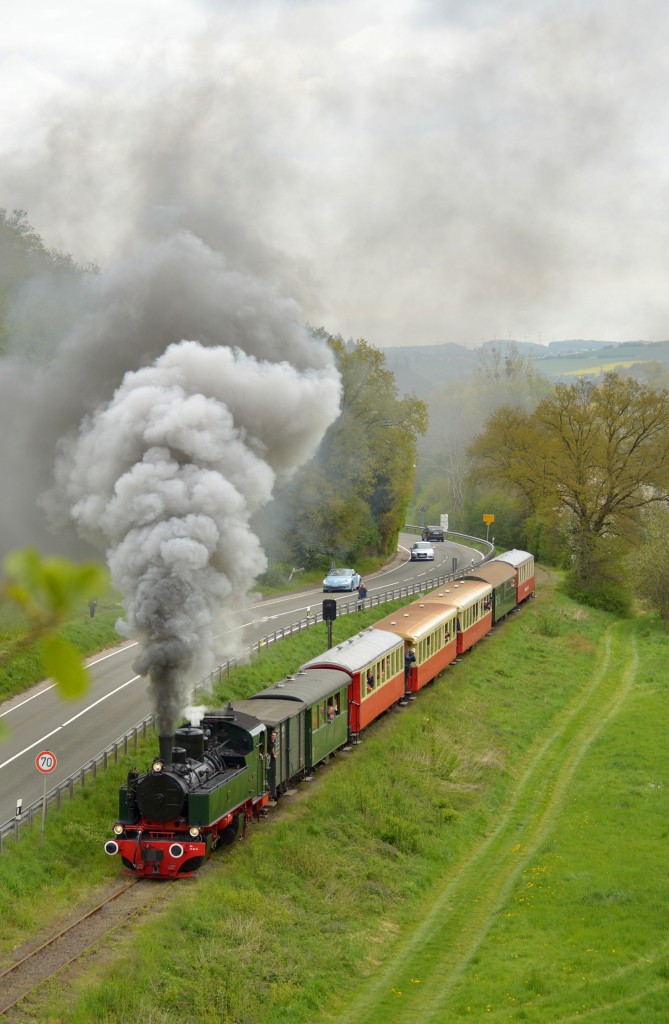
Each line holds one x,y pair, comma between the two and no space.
421,368
597,359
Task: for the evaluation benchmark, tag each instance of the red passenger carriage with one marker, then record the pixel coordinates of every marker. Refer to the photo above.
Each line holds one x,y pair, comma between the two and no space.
523,563
431,632
473,601
374,661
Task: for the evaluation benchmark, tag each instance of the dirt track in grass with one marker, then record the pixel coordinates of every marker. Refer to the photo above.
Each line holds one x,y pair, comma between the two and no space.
417,983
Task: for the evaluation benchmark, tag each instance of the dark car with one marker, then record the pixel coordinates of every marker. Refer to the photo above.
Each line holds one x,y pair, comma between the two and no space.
433,533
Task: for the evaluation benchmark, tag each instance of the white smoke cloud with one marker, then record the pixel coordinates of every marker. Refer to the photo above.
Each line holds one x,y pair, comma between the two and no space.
193,446
413,173
118,321
159,450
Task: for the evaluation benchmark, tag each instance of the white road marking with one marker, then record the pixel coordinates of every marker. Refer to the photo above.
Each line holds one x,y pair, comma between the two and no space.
69,721
95,661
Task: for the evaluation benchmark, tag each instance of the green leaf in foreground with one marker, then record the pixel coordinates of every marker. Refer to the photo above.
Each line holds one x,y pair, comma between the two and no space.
62,663
47,589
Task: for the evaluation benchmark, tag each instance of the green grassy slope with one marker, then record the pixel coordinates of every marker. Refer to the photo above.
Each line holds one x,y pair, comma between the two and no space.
496,851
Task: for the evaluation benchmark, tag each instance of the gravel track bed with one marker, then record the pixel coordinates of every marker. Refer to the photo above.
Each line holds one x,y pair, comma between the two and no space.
24,986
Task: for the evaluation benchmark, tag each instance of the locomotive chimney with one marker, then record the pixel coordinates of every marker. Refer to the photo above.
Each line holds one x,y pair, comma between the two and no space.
166,743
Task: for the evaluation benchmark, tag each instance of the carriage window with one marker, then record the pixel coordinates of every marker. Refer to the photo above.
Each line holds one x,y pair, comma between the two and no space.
314,717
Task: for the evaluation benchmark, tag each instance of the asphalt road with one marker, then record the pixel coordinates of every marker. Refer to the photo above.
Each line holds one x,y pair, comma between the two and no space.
76,731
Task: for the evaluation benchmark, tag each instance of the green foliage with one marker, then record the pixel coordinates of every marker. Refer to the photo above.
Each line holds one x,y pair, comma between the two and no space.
477,842
87,634
648,564
507,528
552,621
61,662
444,479
541,536
592,456
46,592
608,595
352,500
27,263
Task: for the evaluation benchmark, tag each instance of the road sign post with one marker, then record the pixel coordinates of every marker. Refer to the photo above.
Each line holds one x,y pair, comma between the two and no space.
45,762
488,519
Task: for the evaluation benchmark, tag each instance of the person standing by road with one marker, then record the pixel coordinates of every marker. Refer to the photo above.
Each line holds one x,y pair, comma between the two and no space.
362,594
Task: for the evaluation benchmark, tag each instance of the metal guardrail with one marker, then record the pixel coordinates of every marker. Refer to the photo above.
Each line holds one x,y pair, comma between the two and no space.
67,787
312,618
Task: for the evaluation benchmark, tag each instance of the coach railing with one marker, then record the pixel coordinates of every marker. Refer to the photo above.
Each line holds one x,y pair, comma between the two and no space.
311,618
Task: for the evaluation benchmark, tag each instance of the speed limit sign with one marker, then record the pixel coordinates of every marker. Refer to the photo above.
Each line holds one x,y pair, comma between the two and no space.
45,762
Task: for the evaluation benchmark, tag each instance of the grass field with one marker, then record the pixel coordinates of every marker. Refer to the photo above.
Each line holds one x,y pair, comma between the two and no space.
496,851
612,366
89,635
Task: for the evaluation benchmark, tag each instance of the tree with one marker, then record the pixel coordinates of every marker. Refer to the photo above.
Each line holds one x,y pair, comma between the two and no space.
37,275
593,455
499,364
648,565
457,412
353,497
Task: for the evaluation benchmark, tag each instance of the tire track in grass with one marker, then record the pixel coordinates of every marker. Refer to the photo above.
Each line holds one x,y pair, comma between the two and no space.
647,964
415,984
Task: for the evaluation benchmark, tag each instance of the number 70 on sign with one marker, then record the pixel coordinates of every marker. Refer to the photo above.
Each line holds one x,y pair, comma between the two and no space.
46,762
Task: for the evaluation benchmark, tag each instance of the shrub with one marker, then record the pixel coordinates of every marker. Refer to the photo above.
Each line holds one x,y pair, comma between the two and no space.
606,595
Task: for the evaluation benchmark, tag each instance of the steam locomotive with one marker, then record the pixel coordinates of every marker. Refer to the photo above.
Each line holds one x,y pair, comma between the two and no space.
210,780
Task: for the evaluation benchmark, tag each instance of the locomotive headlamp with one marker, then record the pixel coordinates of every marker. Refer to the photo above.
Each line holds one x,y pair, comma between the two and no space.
157,766
118,829
194,832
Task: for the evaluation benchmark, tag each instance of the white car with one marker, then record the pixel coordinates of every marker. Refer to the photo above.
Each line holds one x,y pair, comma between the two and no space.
341,579
421,551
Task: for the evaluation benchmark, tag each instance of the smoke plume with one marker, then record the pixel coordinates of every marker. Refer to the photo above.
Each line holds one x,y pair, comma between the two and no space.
176,398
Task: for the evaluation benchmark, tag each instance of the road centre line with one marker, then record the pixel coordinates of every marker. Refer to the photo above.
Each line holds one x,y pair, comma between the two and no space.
69,721
89,664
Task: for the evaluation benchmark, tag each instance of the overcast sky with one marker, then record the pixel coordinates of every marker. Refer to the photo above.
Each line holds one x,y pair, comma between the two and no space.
410,172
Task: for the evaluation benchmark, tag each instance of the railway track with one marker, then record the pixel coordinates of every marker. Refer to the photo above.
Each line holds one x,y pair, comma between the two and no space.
25,977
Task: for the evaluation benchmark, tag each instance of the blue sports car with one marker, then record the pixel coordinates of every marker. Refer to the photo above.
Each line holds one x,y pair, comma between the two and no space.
341,579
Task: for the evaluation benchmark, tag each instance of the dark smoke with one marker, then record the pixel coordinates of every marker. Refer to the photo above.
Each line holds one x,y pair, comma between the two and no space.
159,450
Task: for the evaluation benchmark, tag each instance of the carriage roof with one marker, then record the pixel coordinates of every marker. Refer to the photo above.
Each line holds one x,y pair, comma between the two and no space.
514,557
462,593
493,572
307,687
416,620
358,651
